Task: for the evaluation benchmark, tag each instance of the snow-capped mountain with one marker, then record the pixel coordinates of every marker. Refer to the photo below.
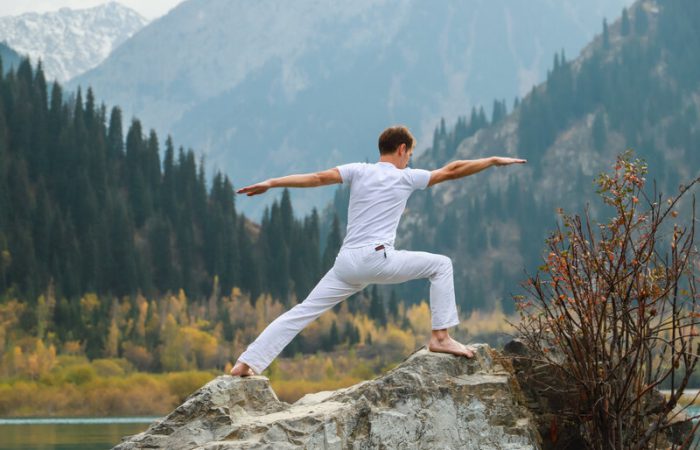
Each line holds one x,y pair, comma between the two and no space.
68,41
268,87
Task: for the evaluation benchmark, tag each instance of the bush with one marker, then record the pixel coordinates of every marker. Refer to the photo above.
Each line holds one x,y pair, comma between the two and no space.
613,311
79,374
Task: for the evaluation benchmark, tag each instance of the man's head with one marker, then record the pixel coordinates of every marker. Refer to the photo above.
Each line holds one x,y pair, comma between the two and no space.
393,137
396,144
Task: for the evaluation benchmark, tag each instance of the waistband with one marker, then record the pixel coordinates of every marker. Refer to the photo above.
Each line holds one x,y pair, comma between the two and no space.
372,245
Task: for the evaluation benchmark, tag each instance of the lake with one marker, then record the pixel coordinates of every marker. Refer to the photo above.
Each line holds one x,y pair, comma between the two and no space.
69,433
81,434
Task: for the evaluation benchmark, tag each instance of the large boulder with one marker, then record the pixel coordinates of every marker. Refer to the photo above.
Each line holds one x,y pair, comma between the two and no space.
429,401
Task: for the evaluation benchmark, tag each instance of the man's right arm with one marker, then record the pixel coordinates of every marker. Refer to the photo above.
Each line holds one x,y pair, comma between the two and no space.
466,167
323,178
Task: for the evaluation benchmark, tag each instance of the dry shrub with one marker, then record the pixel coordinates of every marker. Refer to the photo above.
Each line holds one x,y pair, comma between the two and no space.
614,312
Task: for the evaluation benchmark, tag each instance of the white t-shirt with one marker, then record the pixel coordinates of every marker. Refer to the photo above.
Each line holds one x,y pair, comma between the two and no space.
378,195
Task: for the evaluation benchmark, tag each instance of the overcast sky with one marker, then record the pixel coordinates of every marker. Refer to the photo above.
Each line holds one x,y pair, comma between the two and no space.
150,9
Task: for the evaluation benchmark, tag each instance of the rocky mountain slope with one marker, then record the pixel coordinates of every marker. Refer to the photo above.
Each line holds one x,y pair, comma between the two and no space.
634,86
429,401
68,41
263,88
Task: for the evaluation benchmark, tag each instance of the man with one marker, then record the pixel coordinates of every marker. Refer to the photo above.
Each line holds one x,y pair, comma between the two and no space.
378,195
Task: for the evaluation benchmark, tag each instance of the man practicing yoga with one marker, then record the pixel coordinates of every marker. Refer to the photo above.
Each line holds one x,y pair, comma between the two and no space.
378,195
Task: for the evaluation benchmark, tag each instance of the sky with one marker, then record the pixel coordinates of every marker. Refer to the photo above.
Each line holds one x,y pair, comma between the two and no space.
150,9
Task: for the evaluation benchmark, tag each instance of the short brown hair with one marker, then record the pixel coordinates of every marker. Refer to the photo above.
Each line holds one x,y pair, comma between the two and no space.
392,137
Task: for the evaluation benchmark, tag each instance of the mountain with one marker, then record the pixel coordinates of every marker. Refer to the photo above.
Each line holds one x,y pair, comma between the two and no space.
10,58
264,88
636,85
68,41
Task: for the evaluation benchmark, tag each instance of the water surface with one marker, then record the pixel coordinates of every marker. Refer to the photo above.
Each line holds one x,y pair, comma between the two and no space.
68,433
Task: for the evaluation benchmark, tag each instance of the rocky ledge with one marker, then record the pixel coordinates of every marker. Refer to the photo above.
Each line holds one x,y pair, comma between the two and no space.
429,401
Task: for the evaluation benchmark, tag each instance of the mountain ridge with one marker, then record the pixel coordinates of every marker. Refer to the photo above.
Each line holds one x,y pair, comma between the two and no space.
570,128
312,85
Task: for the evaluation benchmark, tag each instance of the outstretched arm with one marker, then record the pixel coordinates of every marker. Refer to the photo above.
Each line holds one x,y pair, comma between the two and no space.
466,167
330,176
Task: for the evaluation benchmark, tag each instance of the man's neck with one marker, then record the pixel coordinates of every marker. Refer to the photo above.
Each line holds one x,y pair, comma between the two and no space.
389,159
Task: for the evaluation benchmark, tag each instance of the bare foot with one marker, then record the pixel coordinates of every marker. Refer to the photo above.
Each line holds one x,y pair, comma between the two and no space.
242,370
451,346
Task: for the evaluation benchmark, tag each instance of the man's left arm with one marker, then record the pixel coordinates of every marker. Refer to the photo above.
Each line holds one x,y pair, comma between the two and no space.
323,178
466,167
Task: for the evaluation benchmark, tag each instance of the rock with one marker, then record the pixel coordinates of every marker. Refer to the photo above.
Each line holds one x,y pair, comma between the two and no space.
431,400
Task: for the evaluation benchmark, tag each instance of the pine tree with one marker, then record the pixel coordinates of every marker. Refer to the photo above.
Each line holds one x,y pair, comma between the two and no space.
250,272
333,337
598,132
606,35
641,21
625,27
152,166
376,307
333,244
286,216
167,188
115,137
393,305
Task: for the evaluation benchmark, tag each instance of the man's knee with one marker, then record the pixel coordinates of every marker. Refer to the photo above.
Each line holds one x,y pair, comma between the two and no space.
444,263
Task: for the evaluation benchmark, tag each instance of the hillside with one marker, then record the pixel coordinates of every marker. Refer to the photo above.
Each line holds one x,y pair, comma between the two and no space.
313,84
90,205
634,86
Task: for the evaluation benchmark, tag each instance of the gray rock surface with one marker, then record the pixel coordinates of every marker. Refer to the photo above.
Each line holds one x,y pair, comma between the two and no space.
429,401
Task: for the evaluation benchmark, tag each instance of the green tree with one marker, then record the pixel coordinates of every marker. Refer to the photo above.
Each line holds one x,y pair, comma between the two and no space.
625,27
599,133
641,21
333,243
377,311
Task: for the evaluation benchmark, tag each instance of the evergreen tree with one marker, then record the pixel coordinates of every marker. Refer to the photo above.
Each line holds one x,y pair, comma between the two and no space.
168,192
115,137
625,27
641,21
606,34
286,216
393,305
333,337
599,134
249,266
376,307
333,244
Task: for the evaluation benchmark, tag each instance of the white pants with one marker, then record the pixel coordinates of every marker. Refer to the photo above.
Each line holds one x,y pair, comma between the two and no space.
353,270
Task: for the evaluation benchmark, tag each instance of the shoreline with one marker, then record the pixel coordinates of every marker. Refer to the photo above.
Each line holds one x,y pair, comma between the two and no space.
687,398
76,420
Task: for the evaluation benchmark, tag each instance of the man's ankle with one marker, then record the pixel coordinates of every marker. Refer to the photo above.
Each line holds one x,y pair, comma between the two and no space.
439,336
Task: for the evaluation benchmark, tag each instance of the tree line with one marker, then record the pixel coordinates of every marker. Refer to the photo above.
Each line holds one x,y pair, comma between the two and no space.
87,206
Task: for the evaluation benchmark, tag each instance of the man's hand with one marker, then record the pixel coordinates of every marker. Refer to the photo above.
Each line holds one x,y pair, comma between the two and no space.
255,189
502,161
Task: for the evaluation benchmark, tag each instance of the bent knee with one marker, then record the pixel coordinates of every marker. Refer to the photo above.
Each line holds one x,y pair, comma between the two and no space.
444,263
